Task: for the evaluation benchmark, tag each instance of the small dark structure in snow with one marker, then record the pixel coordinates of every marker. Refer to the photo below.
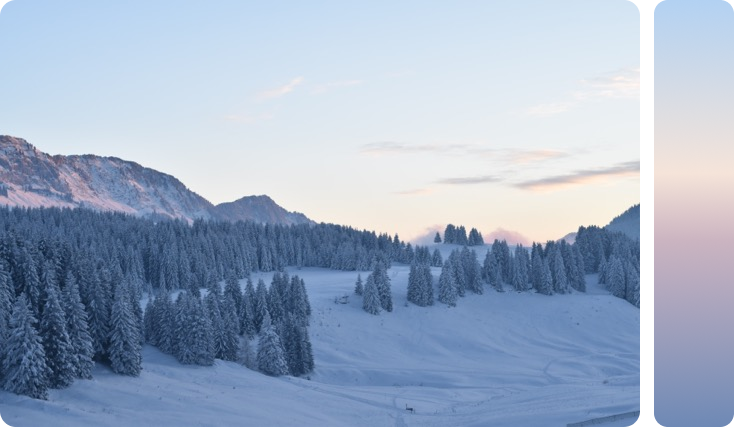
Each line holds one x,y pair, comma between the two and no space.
341,300
411,410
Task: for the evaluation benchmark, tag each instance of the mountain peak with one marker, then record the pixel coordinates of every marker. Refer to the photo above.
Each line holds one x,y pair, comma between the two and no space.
259,208
32,178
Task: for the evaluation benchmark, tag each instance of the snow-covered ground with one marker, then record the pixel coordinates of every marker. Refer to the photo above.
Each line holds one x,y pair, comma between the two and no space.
498,359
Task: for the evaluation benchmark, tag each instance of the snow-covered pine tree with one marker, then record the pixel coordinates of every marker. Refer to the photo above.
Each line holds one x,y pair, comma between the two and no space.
520,267
249,298
275,301
413,285
290,339
632,284
546,279
124,349
437,238
446,286
358,286
200,338
603,270
24,363
371,301
560,280
6,305
461,238
212,301
457,269
260,305
382,281
579,260
98,311
270,355
30,283
472,271
233,292
615,277
475,238
245,356
304,295
492,270
449,235
60,355
437,259
230,326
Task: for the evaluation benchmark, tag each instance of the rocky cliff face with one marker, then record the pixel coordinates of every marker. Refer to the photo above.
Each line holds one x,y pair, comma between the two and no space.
32,178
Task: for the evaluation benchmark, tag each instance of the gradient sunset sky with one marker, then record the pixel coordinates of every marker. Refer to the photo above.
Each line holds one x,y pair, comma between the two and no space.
694,207
390,116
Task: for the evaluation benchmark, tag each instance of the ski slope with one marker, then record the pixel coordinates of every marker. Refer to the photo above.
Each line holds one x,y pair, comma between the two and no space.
497,359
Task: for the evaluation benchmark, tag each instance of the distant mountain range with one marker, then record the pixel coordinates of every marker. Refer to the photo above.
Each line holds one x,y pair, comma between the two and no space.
628,223
32,178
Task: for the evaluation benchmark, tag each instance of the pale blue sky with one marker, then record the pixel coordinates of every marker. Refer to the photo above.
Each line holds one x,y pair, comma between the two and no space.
393,116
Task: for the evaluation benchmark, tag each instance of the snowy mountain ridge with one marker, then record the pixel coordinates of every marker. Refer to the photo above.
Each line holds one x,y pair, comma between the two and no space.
32,178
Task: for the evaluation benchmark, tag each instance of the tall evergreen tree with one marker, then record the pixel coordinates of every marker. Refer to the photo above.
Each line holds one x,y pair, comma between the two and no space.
358,286
457,269
24,363
560,280
60,355
98,311
249,328
6,304
632,284
382,281
200,337
579,259
233,292
413,285
475,238
124,350
472,271
270,355
261,304
546,279
437,259
230,331
520,269
449,235
616,277
371,301
446,287
492,270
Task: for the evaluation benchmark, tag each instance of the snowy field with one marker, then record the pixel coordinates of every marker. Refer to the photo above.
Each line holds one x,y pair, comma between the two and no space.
498,359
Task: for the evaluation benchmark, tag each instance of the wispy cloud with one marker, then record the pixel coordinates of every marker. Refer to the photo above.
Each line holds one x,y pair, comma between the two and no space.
281,90
390,147
621,84
327,87
624,83
248,118
625,169
507,155
471,180
521,157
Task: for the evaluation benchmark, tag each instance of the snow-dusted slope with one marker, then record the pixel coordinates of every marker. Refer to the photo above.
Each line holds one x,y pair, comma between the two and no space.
498,359
31,178
627,223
